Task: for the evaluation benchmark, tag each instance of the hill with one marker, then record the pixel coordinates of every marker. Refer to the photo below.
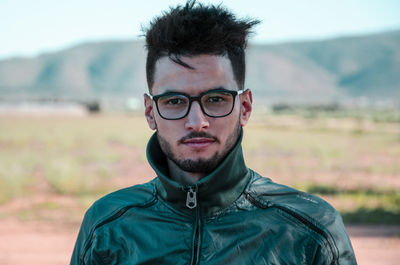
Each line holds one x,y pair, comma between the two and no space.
337,70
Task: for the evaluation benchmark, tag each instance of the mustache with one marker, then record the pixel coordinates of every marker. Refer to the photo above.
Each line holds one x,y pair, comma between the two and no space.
198,135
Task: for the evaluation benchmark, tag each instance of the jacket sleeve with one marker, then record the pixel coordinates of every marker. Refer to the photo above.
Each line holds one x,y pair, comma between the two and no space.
336,247
84,252
342,247
90,247
346,254
83,239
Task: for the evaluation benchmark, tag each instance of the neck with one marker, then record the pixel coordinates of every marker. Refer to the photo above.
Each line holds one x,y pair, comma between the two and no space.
183,177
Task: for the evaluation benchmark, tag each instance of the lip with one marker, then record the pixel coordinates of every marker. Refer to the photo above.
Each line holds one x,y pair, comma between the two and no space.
198,143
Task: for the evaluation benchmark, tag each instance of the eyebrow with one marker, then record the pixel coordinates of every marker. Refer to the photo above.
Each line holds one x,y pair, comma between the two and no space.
183,92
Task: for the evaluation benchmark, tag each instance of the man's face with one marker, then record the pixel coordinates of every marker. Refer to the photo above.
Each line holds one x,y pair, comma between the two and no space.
197,142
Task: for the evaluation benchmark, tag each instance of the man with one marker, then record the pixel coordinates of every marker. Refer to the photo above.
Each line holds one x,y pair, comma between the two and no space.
205,206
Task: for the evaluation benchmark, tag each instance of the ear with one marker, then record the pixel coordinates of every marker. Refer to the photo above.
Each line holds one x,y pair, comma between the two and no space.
246,101
148,112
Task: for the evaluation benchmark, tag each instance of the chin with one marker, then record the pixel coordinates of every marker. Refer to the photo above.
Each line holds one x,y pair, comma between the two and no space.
199,154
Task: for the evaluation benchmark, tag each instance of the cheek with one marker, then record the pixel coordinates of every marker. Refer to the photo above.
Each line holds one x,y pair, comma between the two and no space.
225,127
168,129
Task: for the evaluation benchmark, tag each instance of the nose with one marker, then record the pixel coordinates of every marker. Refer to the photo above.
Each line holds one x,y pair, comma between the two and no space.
196,119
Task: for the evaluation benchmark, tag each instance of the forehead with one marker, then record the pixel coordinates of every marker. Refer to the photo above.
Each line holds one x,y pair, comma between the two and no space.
209,71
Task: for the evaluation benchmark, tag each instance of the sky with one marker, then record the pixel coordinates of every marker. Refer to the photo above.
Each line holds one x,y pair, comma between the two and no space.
28,28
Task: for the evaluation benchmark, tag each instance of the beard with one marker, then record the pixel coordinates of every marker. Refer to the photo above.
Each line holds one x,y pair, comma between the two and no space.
200,165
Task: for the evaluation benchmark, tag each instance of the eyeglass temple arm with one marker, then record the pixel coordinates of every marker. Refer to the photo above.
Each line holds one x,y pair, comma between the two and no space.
148,95
241,91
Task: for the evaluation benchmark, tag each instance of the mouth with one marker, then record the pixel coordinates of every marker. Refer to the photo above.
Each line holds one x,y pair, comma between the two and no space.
198,142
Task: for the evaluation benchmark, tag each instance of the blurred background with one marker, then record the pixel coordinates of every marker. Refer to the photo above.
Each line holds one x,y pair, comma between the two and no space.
325,77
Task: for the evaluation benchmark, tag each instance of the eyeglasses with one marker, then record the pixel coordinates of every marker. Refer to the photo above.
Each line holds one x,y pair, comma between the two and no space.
214,103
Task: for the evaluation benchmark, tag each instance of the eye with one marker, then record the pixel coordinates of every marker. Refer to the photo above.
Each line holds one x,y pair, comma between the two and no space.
220,98
175,101
215,99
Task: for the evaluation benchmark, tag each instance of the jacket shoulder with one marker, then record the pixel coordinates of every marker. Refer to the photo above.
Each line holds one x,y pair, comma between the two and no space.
268,193
108,208
312,211
136,196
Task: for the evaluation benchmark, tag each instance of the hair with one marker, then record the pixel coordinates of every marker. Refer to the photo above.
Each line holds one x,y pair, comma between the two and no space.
195,29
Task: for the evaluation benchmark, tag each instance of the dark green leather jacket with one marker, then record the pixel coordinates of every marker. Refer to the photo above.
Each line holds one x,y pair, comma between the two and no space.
232,216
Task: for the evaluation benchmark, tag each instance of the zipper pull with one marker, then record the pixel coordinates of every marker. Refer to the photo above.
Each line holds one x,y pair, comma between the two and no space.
191,198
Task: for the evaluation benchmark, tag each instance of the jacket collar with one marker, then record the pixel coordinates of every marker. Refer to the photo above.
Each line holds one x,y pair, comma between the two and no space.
214,192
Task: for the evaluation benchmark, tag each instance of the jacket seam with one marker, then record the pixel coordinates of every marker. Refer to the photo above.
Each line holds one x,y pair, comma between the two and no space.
116,214
308,221
315,235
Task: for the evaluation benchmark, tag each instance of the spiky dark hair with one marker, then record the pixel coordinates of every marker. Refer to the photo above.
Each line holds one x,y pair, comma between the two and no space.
195,29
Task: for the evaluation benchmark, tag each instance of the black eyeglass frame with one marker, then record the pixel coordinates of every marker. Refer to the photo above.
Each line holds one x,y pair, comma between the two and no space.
234,93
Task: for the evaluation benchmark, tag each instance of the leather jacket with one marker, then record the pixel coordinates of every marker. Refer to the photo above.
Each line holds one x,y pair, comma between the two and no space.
231,216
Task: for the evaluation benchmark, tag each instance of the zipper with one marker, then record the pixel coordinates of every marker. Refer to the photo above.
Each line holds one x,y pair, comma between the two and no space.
191,197
196,238
191,203
301,218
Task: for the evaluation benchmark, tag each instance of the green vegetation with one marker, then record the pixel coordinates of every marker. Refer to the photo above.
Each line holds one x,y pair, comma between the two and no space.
366,206
353,164
384,115
371,216
65,155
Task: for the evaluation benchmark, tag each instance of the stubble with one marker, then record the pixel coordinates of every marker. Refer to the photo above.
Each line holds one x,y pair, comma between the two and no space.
201,165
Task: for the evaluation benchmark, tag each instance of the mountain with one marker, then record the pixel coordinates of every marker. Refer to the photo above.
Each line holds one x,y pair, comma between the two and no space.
85,71
315,71
352,67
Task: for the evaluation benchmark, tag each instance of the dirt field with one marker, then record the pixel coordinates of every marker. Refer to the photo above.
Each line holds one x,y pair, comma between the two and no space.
52,169
48,243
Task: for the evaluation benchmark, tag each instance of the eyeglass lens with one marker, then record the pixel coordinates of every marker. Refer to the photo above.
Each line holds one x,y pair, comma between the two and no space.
215,104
